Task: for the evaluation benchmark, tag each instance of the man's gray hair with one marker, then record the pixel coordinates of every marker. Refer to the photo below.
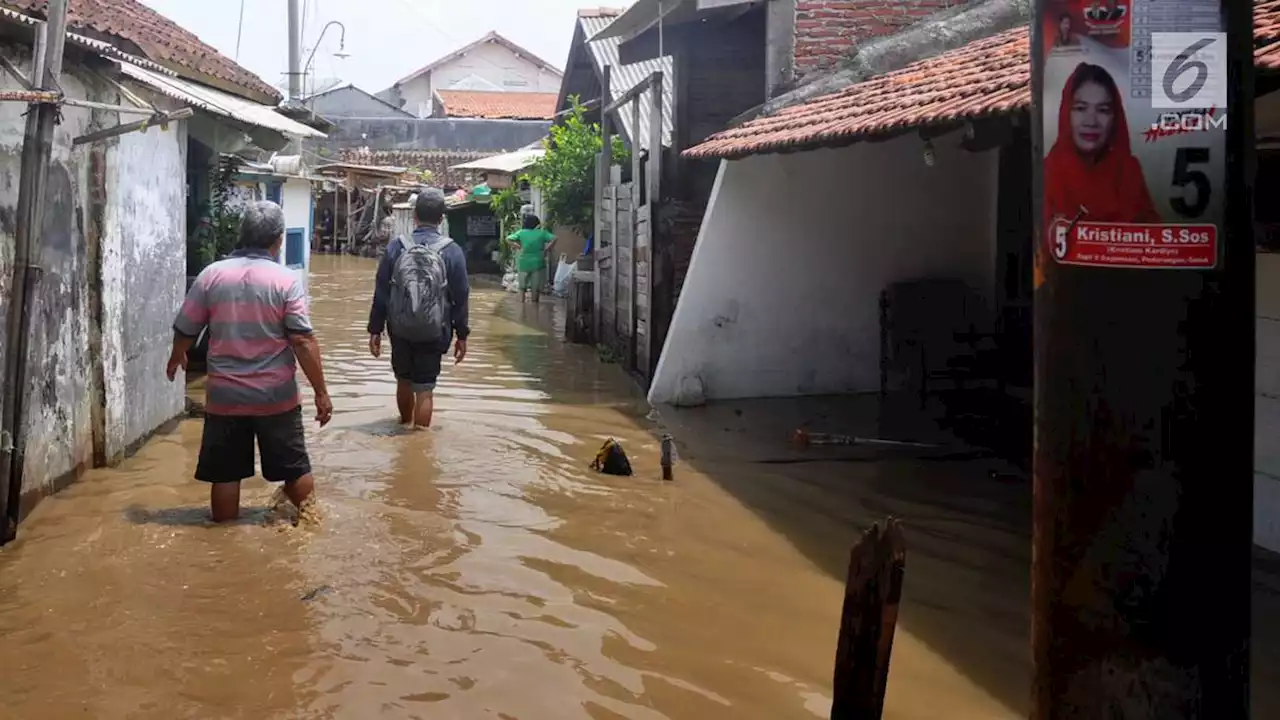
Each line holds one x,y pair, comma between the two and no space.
430,206
261,225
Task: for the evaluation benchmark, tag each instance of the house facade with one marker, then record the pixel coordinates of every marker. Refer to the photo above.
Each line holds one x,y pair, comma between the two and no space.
114,245
350,101
491,64
943,189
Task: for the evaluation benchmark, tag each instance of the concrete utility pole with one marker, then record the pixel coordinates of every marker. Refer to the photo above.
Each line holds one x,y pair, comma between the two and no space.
37,147
295,54
1144,360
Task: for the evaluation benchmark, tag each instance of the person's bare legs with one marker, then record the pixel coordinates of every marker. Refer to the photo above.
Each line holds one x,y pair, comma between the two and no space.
299,491
404,401
224,501
426,403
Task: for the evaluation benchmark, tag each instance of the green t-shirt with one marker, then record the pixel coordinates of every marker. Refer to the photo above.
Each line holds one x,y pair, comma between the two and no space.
533,248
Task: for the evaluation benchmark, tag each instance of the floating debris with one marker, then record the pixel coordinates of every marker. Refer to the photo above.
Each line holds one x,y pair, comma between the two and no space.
804,439
322,590
612,460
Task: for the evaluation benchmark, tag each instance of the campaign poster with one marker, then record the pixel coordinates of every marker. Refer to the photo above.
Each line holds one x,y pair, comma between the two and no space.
1134,132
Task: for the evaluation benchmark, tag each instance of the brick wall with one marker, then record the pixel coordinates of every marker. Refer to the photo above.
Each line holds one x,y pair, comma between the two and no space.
827,30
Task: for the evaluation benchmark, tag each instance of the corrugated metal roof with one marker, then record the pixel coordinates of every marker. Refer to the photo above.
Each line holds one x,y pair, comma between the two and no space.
625,77
217,102
512,162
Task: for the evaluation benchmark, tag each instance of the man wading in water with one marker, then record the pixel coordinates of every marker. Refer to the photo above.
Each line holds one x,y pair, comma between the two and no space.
420,297
259,332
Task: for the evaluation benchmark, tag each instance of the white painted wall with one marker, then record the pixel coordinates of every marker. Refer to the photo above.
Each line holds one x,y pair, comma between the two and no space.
491,62
296,203
782,296
144,281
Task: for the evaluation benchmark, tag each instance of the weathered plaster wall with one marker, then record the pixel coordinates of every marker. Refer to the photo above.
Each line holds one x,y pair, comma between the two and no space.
59,409
782,295
144,244
113,229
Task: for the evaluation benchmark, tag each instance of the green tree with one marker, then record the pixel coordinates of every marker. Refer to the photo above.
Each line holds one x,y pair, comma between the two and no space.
566,175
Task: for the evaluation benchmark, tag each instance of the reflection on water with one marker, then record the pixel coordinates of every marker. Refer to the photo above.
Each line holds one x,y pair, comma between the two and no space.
475,570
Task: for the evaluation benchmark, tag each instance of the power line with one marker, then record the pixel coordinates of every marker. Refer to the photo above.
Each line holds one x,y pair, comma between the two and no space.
239,30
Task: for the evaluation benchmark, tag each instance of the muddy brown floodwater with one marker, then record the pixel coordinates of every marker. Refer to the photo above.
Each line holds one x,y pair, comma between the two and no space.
479,570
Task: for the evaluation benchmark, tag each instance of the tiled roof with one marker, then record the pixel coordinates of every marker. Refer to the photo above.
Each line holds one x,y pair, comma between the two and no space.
499,105
987,77
439,162
1266,34
159,38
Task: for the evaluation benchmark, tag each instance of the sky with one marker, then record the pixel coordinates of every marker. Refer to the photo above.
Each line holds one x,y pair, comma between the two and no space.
386,39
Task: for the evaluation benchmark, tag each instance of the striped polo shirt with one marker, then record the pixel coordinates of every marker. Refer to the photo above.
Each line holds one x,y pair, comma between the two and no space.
250,304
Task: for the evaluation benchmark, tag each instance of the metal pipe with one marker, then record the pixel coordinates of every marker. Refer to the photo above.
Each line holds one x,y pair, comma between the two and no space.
295,35
36,150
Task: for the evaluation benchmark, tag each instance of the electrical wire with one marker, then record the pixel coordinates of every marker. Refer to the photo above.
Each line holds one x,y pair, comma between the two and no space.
239,31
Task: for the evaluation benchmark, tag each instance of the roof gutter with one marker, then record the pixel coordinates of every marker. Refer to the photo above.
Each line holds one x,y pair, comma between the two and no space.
939,33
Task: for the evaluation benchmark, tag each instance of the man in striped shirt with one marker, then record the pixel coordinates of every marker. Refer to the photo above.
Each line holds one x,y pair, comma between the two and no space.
259,332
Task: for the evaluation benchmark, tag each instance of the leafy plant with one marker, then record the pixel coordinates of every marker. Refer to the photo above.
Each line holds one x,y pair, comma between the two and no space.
218,231
506,204
566,174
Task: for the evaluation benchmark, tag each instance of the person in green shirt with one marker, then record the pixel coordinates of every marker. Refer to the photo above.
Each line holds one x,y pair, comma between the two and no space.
532,245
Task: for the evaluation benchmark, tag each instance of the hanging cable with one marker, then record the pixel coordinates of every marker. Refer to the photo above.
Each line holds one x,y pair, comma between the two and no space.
239,31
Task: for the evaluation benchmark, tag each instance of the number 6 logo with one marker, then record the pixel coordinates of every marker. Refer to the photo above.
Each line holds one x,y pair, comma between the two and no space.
1183,64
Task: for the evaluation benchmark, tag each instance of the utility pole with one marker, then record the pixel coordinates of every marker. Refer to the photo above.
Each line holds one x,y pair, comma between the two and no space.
1144,335
37,144
295,54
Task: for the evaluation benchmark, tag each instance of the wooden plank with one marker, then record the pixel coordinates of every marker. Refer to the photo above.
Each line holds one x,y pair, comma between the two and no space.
873,590
654,80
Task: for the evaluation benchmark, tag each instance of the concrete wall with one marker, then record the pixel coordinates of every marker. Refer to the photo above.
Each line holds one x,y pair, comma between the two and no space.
429,134
782,295
351,102
492,64
113,251
297,206
144,281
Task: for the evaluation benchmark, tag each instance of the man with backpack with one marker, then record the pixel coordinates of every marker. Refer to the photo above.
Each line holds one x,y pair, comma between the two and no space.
420,297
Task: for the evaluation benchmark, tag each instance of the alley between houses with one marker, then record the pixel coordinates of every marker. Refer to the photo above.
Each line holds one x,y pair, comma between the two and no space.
481,570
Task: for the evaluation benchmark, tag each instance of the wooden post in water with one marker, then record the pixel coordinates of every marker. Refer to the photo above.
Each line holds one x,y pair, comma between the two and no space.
872,593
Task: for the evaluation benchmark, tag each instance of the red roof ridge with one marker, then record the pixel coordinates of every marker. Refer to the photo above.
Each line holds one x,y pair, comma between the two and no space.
499,105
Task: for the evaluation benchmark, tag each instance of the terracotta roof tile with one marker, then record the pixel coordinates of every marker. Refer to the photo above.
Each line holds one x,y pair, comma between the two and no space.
499,105
987,77
159,38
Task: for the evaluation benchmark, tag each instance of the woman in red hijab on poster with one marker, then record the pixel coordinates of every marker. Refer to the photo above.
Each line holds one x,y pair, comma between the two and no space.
1091,172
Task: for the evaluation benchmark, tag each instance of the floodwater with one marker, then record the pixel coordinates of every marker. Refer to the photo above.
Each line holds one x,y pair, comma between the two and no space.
480,570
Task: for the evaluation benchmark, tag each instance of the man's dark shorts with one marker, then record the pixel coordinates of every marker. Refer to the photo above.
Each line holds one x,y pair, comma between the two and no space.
416,363
226,450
